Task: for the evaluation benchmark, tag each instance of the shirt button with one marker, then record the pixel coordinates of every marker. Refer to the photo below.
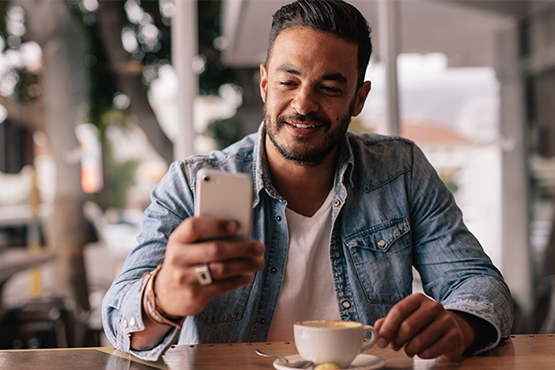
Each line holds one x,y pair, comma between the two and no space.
273,270
124,323
278,218
262,321
336,254
346,304
381,243
132,321
336,202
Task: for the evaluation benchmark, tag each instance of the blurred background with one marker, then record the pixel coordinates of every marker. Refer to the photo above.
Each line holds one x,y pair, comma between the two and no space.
98,97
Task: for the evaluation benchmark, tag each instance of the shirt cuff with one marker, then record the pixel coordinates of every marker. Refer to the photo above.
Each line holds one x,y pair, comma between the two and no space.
485,313
131,321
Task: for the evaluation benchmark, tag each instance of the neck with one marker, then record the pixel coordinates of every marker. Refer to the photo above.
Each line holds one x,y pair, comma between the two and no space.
305,188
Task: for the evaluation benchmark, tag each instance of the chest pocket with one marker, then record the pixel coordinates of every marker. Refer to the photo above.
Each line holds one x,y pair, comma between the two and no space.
382,258
226,307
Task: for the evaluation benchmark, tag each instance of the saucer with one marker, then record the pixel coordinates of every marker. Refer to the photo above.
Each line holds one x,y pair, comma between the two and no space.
361,362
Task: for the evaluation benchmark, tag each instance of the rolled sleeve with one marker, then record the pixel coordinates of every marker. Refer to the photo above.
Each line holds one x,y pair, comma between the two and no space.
471,308
490,302
123,312
121,308
453,265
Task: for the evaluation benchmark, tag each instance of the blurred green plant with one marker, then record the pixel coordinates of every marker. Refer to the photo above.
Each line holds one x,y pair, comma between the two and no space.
122,177
225,131
146,36
214,74
143,29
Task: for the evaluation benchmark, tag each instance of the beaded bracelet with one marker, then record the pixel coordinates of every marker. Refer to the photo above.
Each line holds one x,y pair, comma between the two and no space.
152,309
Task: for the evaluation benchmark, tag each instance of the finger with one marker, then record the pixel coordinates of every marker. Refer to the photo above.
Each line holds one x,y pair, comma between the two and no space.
232,268
450,346
378,324
181,268
426,313
429,335
393,320
219,287
212,251
192,299
187,276
194,228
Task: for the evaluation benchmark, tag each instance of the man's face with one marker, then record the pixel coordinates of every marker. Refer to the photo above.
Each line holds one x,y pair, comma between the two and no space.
309,91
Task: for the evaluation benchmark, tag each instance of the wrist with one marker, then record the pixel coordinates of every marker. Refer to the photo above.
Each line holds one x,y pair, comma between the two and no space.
477,333
151,307
465,328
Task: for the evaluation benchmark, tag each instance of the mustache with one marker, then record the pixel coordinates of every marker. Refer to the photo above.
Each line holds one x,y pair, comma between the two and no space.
310,117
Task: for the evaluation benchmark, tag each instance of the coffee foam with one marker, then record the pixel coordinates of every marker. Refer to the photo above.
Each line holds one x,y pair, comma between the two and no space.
330,324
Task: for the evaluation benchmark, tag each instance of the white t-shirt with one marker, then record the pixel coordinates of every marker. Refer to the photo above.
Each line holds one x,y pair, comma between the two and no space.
307,291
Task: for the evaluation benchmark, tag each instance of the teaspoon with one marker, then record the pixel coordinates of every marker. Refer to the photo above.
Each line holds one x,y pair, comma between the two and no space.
286,362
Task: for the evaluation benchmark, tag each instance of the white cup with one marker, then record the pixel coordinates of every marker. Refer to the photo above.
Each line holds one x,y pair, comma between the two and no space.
338,342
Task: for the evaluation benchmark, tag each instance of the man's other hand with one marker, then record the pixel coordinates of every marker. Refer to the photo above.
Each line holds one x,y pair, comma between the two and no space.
425,328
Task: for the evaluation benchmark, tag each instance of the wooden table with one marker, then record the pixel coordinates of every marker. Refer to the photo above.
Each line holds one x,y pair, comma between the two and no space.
521,352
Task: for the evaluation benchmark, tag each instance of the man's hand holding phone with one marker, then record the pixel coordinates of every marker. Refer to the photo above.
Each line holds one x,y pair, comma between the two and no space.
211,253
232,264
216,239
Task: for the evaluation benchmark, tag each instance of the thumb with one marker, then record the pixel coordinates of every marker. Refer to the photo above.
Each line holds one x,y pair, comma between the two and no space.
378,324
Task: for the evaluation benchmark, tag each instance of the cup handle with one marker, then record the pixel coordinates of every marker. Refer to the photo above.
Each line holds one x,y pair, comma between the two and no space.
372,340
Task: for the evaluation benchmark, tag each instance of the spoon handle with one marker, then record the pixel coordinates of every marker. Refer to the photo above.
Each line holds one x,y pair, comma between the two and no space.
286,362
264,354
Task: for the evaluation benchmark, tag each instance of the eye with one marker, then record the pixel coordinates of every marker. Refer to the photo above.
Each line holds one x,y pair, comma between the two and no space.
331,90
287,86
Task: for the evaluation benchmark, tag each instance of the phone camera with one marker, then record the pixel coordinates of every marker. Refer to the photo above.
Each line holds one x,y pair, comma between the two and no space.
206,178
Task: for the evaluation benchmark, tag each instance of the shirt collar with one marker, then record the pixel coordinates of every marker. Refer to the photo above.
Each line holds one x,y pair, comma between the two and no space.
345,162
263,179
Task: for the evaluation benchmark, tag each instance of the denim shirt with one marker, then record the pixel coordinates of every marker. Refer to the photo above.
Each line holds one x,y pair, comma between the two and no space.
390,212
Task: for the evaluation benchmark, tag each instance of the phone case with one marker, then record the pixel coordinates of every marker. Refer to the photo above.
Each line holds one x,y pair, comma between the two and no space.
225,194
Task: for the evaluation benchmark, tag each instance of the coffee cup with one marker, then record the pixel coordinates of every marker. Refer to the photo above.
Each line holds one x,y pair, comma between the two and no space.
326,341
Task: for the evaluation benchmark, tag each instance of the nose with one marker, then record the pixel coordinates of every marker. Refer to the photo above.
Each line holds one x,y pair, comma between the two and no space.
305,101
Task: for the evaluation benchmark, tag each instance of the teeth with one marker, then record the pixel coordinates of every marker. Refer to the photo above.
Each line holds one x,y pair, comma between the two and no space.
302,126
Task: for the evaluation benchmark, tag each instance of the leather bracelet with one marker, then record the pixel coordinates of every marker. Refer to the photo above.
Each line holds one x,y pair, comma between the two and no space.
152,309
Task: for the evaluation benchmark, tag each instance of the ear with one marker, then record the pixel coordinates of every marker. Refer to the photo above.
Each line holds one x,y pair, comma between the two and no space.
263,82
361,96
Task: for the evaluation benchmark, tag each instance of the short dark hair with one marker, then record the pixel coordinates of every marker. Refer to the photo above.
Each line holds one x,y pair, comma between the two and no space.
334,16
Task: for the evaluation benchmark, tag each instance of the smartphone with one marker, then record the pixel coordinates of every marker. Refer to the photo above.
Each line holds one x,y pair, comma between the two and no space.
225,194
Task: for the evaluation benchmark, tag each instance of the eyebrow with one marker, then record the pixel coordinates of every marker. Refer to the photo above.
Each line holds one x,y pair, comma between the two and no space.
326,77
335,77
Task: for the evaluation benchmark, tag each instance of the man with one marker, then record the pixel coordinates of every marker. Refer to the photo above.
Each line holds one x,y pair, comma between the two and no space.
339,221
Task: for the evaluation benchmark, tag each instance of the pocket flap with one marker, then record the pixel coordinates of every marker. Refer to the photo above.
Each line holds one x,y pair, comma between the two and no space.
381,237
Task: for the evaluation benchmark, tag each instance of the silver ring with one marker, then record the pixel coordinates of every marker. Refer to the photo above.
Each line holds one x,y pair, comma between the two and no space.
203,274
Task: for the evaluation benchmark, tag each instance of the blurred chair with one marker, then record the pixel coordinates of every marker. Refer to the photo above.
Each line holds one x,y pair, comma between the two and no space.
547,287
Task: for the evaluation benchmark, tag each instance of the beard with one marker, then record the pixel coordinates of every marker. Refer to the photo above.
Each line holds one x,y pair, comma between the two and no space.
301,154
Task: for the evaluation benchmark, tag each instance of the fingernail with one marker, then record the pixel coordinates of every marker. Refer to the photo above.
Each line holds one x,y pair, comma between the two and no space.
382,343
260,249
231,227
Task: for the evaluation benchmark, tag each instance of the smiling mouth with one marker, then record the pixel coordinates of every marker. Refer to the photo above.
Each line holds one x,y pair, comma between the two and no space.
302,125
